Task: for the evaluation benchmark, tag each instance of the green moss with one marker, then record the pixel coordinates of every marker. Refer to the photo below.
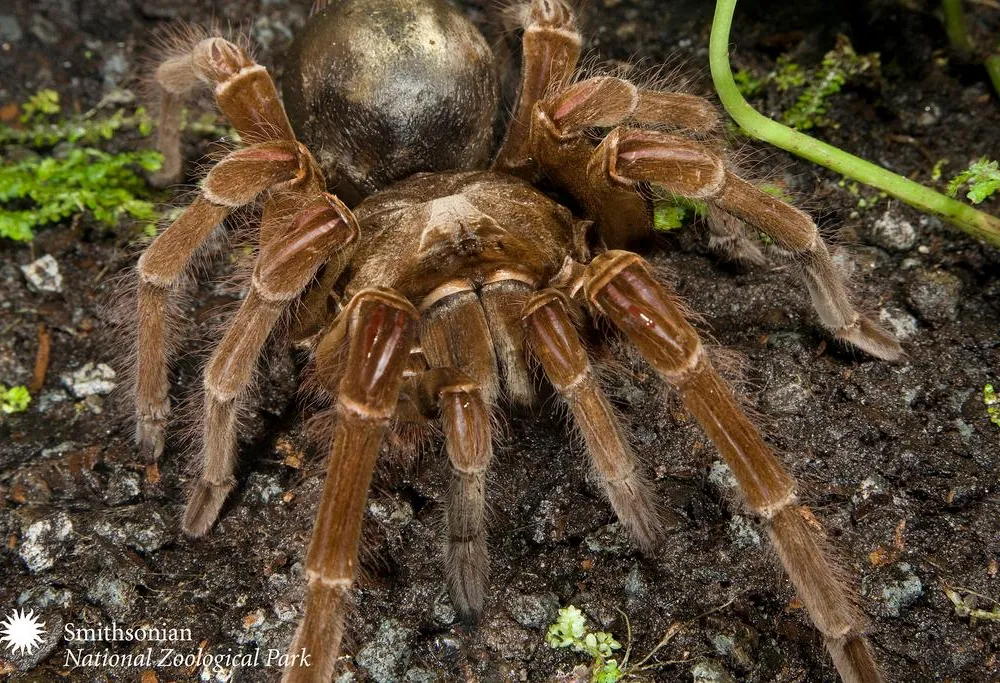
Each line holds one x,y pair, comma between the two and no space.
838,66
43,190
992,403
982,177
14,400
570,630
747,83
48,176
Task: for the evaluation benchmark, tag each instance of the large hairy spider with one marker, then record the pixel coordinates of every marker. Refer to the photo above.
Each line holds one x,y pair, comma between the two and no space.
427,270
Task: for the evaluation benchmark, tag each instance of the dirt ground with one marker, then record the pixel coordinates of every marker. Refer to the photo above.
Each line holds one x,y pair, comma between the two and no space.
899,460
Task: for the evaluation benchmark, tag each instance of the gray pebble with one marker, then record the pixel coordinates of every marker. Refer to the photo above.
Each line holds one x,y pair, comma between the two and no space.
787,394
743,533
122,487
442,610
533,610
89,380
710,671
114,69
419,675
115,596
145,529
892,232
723,477
388,655
901,594
43,275
610,538
44,541
10,29
934,295
901,323
45,30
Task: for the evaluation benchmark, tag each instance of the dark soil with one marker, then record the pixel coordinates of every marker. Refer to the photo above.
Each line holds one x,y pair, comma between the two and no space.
900,460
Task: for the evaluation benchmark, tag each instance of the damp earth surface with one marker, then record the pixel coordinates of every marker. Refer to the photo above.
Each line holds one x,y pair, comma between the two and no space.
900,461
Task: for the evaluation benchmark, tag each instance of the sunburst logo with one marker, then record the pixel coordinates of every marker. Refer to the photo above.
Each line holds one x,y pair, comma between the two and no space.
22,632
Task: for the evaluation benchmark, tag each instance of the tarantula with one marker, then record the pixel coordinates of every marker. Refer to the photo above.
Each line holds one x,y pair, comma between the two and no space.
428,272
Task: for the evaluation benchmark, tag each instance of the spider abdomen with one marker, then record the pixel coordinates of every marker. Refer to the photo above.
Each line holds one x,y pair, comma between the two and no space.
382,89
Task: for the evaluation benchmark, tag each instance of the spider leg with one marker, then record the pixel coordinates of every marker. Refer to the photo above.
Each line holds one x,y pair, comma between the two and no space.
550,51
244,92
503,302
618,285
629,158
235,181
378,326
727,235
284,268
553,338
465,419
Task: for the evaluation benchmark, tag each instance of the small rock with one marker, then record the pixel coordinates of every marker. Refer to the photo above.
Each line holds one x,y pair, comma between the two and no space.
533,611
89,380
10,29
263,488
789,394
44,541
902,324
419,675
388,655
934,295
442,610
892,232
45,30
122,487
43,275
901,594
114,69
720,475
930,115
145,529
743,533
610,538
635,586
115,596
709,671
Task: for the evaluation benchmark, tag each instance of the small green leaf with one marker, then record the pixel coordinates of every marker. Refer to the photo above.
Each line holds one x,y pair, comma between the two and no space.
14,400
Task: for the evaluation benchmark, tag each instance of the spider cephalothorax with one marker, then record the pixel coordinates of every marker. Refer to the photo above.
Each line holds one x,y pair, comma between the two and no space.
426,284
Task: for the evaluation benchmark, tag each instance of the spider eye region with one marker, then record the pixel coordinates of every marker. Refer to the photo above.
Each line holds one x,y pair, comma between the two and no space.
382,89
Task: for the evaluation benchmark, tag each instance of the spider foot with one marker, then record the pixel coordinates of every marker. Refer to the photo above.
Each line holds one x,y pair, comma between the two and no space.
467,567
203,507
868,336
150,425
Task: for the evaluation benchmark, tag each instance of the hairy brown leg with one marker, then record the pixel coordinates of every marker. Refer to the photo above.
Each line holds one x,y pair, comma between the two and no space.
550,51
727,235
503,302
618,285
379,333
454,333
561,145
630,158
554,341
244,91
285,266
457,400
233,182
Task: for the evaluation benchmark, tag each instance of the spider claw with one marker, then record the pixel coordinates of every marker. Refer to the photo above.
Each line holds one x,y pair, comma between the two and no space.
203,507
868,336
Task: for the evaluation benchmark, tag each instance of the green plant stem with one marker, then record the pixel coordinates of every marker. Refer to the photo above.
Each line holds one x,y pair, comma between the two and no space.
974,222
992,65
954,26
